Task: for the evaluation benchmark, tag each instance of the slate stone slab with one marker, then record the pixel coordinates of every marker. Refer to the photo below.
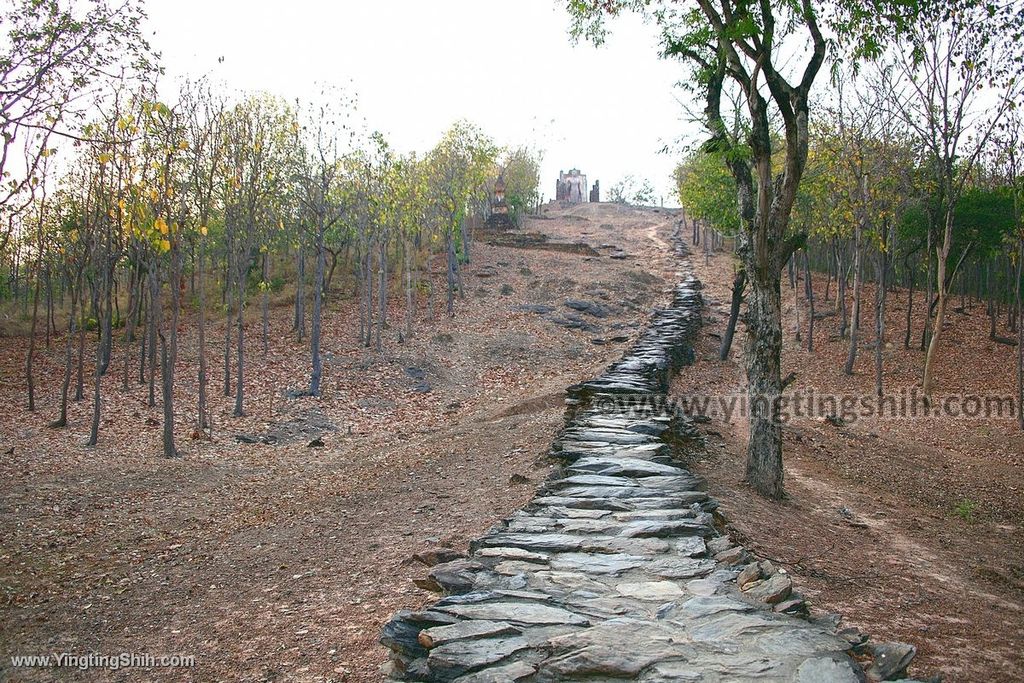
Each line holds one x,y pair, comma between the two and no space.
615,570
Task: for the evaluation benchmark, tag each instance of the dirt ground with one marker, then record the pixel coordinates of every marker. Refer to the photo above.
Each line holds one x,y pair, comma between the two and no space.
281,562
910,528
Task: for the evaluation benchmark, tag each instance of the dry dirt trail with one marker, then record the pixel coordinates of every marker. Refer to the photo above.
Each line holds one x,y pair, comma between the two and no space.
281,562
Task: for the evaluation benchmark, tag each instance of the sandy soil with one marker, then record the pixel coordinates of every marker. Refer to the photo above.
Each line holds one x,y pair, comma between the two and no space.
281,562
911,528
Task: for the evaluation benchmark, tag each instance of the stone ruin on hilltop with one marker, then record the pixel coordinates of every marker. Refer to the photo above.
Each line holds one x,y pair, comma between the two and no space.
571,187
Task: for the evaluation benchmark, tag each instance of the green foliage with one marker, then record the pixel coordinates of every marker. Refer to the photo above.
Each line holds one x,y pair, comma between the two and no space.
631,190
707,190
521,171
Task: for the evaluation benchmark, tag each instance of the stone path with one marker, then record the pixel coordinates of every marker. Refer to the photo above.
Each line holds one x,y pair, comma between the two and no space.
615,571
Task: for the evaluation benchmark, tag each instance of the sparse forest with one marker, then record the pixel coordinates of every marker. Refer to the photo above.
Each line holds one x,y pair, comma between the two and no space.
276,356
126,218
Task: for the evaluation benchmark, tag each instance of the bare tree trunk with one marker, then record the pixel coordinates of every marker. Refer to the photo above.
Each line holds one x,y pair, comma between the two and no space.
314,339
809,294
228,323
265,304
368,293
129,328
739,282
201,421
763,363
407,254
844,320
32,345
851,358
910,305
880,295
94,430
169,354
930,279
1020,333
382,289
240,343
940,313
80,383
65,386
796,296
300,295
450,247
154,311
48,313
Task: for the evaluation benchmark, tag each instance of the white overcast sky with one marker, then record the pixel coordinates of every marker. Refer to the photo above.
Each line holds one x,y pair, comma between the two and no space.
419,65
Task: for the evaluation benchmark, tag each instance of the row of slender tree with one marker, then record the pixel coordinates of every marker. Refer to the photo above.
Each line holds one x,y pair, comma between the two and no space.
954,68
135,218
879,202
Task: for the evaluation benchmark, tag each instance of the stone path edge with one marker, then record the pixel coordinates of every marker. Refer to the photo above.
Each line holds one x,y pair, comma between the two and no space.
618,569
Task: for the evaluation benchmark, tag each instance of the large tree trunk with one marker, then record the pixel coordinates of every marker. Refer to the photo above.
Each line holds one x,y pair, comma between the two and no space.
763,364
